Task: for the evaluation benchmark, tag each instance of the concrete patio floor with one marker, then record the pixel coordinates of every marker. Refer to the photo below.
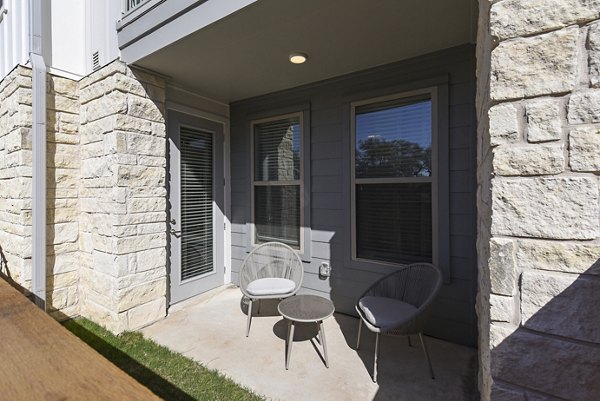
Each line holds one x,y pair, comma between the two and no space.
210,329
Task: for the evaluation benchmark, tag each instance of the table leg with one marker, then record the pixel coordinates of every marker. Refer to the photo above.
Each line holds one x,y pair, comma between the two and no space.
323,344
290,341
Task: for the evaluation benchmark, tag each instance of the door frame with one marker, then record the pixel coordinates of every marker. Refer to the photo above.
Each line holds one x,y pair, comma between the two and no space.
175,109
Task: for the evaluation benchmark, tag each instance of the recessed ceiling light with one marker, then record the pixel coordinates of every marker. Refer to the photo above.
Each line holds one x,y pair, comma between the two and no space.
298,58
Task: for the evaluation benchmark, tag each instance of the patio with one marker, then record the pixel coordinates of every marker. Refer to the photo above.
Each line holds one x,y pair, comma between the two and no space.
210,328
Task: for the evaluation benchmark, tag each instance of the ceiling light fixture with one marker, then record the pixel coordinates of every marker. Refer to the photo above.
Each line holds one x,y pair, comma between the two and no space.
298,58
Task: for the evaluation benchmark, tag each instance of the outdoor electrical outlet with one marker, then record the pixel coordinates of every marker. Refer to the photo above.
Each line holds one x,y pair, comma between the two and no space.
324,269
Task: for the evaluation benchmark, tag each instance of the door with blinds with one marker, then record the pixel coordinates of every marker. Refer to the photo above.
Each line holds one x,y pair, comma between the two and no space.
196,206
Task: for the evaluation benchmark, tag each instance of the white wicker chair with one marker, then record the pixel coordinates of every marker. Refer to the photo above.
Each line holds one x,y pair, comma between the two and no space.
399,304
271,271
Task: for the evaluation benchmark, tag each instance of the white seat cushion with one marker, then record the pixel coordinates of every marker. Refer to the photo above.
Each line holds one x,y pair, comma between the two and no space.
270,286
385,313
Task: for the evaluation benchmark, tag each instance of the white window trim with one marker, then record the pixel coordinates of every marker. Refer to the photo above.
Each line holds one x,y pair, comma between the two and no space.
432,93
300,182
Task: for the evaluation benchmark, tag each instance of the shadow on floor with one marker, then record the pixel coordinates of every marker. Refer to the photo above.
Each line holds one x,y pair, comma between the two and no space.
139,372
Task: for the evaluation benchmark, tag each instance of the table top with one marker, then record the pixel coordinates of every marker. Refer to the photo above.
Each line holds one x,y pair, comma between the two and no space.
41,360
306,308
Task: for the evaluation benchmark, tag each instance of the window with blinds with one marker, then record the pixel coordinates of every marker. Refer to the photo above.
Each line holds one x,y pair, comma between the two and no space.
196,203
277,179
393,180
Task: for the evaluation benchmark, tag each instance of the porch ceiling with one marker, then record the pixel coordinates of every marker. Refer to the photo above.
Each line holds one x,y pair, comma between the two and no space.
246,53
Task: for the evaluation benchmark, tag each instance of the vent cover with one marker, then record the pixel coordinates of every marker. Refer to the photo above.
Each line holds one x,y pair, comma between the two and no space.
95,60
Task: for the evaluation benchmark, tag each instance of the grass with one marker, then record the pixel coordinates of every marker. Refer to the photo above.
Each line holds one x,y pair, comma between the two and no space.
168,374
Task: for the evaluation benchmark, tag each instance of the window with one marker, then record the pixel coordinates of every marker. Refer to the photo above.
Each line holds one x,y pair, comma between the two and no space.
277,183
394,176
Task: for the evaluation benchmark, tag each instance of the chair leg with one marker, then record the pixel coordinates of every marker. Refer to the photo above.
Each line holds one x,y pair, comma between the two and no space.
427,355
409,342
258,311
249,317
359,333
378,336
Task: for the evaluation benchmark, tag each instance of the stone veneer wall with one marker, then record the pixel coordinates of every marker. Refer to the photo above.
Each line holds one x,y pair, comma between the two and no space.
15,175
106,193
123,198
538,105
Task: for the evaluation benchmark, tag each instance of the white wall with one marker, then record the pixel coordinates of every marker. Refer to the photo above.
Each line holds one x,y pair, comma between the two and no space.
14,35
67,53
73,30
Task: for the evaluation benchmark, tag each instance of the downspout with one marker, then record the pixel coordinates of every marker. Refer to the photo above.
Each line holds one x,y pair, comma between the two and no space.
38,278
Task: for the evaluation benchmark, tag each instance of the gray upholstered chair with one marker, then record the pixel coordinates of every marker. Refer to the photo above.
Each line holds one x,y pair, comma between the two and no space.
271,271
398,304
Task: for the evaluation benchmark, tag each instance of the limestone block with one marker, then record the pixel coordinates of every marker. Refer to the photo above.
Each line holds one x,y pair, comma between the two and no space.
144,192
125,231
503,276
62,263
62,215
112,103
529,160
584,107
539,65
554,208
103,316
115,142
115,67
138,144
512,18
145,314
109,264
140,176
543,120
538,363
62,232
58,249
564,305
584,149
98,167
559,256
501,308
141,205
504,124
63,280
63,156
139,243
64,86
594,54
145,108
132,124
153,161
122,159
93,131
151,228
134,296
139,218
138,278
127,84
148,260
93,149
62,103
102,243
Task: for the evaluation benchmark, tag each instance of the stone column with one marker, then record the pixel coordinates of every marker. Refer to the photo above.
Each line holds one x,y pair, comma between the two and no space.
123,198
538,243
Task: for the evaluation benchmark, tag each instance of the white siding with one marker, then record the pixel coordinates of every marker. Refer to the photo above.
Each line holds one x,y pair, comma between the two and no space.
14,35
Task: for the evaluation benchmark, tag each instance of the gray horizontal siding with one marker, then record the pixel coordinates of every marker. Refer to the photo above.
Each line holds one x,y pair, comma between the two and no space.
454,313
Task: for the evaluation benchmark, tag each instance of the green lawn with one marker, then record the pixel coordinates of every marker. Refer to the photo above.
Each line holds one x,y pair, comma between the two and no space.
166,373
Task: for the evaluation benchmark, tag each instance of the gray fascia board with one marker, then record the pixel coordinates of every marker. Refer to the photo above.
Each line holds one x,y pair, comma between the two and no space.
141,38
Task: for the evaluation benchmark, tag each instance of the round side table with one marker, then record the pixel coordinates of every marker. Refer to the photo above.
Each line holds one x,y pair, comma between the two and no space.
305,309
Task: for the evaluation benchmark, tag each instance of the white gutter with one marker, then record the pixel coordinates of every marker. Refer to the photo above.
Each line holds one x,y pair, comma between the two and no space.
38,278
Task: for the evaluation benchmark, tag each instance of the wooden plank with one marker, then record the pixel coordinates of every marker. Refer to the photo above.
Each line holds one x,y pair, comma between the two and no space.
41,360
